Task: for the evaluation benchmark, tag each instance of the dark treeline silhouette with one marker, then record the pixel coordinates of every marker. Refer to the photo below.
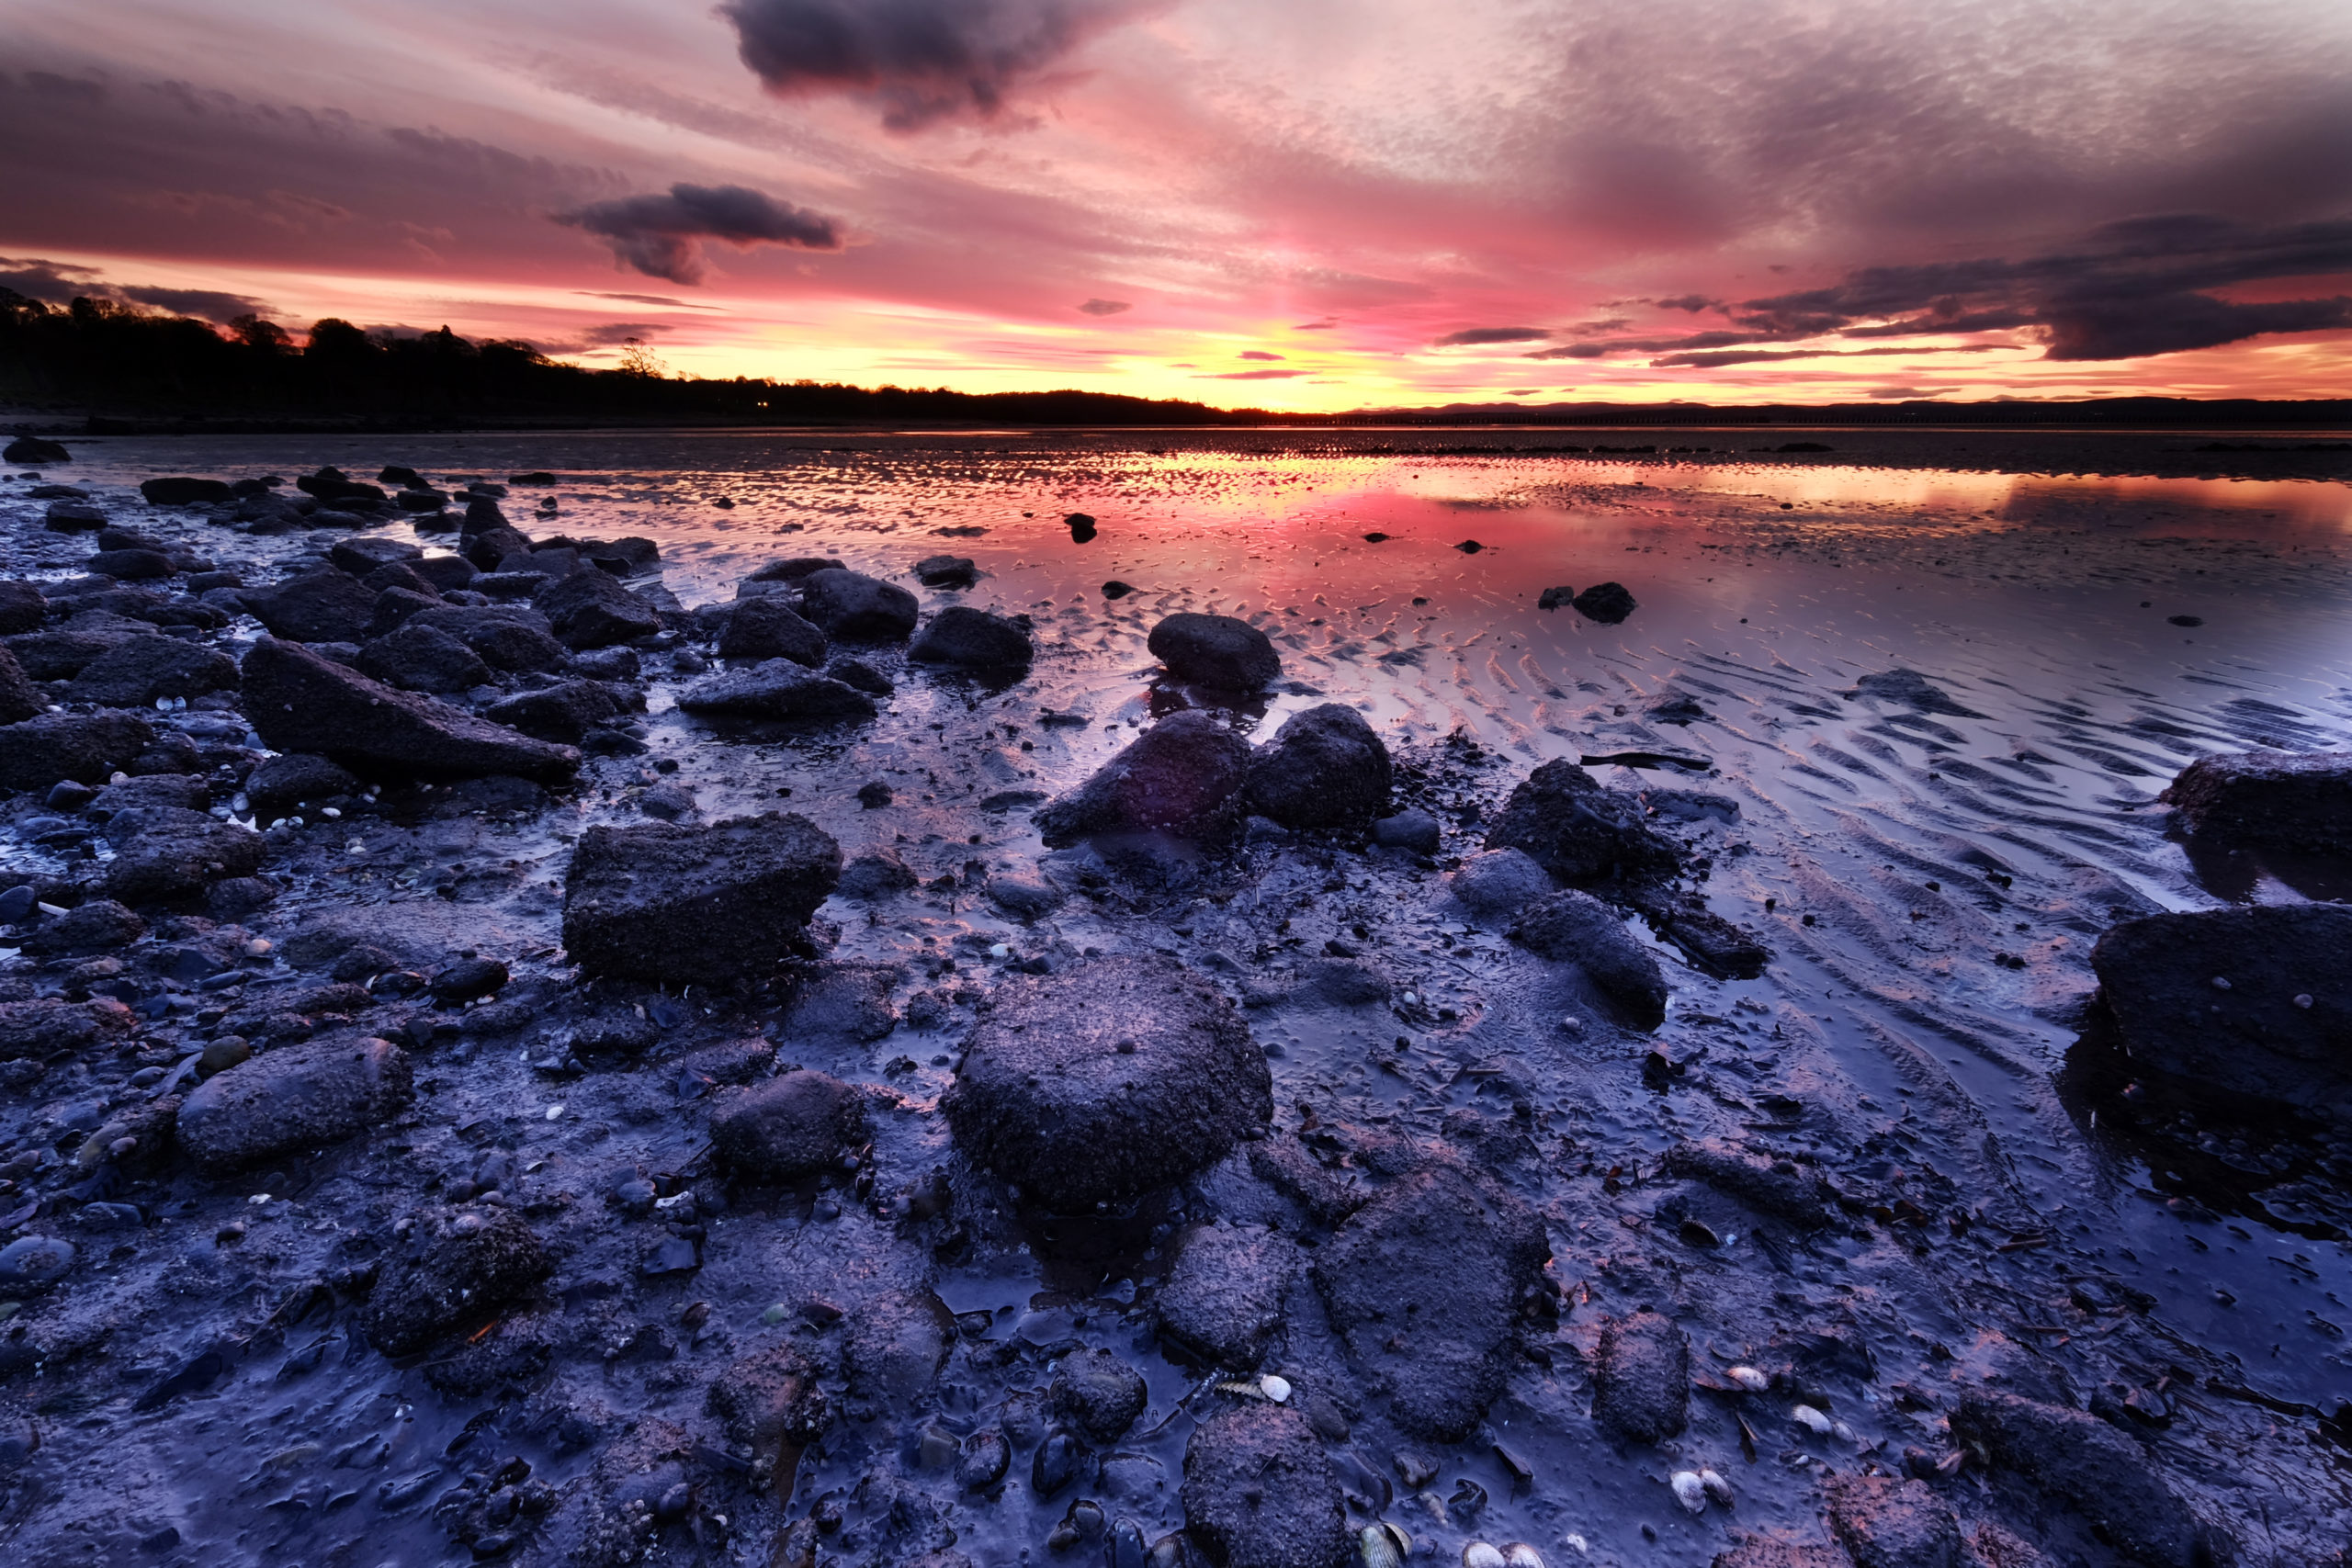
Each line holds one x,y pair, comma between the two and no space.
128,369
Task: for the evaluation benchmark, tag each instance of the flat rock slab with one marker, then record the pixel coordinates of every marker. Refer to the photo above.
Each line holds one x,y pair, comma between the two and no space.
1577,830
2269,797
1577,928
703,905
1223,1295
453,1267
795,1125
178,853
1184,776
298,1097
777,688
1113,1078
299,702
138,670
1323,767
324,605
88,747
1215,651
1425,1282
1259,1491
1642,1378
2251,1001
45,1027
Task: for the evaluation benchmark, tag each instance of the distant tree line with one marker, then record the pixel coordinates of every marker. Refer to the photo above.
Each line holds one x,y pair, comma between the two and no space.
126,365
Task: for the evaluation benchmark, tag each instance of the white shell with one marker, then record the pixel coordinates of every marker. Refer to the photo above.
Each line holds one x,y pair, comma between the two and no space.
1377,1545
1749,1378
1274,1388
1811,1420
1689,1491
1718,1489
1844,1433
1518,1554
1478,1555
1577,1541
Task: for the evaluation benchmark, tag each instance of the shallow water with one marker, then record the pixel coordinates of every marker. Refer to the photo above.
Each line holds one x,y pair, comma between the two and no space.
1900,855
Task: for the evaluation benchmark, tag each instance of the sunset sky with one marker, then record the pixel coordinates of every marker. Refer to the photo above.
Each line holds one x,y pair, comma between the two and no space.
1292,204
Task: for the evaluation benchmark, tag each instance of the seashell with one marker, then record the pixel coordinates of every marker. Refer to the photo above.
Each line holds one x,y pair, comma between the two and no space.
1384,1546
1578,1543
1689,1491
1478,1555
1811,1420
1749,1378
1274,1388
1518,1554
1718,1489
1844,1433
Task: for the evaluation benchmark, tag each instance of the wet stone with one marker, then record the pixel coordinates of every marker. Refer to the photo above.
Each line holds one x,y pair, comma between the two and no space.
98,925
41,750
565,712
1182,776
1642,1378
1215,651
855,607
454,1266
983,1460
2079,1458
796,1124
769,1400
589,608
1886,1523
842,1001
176,853
768,627
45,1027
1415,831
1426,1282
777,689
670,902
1323,767
1115,1076
1608,602
22,607
299,702
1577,928
1100,1394
894,1347
1223,1296
1780,1188
31,1264
874,876
419,658
1576,830
293,1098
945,571
973,639
292,780
1260,1493
138,670
1498,883
324,605
2300,802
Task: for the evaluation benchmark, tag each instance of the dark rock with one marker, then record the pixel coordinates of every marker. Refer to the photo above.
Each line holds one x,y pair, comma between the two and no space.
972,639
176,854
1323,767
2300,802
1578,928
770,1401
1886,1523
48,1027
31,1264
842,1001
1223,1296
859,675
1780,1188
507,637
564,712
794,570
855,607
30,449
324,605
417,658
2250,1001
1770,1552
895,1345
768,627
293,1098
1215,651
798,1123
1025,898
875,874
1260,1493
16,902
1112,1077
92,747
19,698
299,702
400,575
138,670
125,801
99,925
1642,1378
1912,690
131,566
982,1460
331,485
396,606
73,517
64,653
591,609
616,664
1425,1283
1185,776
444,574
1082,528
180,491
945,571
1415,830
453,1266
1097,1394
1577,830
1552,598
363,555
2105,1475
469,980
22,607
486,548
777,688
1342,982
1607,602
706,905
285,782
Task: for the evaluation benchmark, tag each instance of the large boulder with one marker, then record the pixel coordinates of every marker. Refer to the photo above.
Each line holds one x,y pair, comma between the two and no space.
1323,767
18,699
417,658
321,606
855,607
507,636
565,711
176,853
798,1123
23,607
1260,1493
1642,1378
1112,1077
1577,928
2252,1001
36,449
668,902
181,490
52,746
590,608
138,670
1576,830
1425,1283
1183,775
2269,797
299,702
1215,651
2107,1477
62,652
452,1267
777,688
973,639
295,1098
768,627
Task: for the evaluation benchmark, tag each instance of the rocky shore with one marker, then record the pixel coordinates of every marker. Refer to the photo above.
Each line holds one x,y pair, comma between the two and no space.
429,1134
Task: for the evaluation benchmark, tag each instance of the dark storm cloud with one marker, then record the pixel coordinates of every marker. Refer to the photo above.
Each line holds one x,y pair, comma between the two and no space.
51,283
1105,307
1694,303
60,282
658,235
205,304
1473,335
921,60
